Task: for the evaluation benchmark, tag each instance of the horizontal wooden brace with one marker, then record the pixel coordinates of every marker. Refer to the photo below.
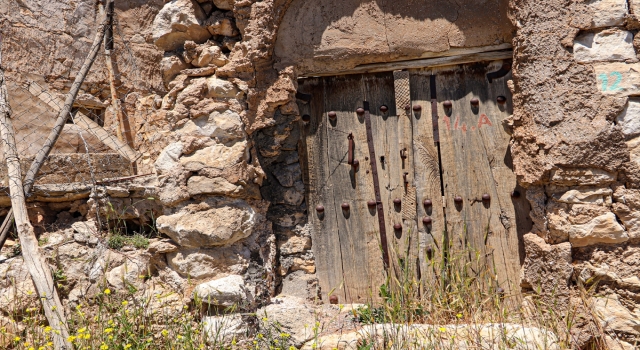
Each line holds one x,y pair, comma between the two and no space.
452,57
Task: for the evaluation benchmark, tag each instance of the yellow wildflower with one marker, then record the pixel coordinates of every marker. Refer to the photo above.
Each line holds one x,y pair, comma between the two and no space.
82,330
16,339
127,346
107,291
442,329
125,303
71,338
104,346
164,333
47,329
87,336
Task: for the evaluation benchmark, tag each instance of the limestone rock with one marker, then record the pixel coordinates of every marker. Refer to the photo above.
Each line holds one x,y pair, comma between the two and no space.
300,284
161,302
218,186
177,22
602,229
546,266
168,158
132,272
86,228
581,177
227,291
170,66
224,126
634,150
617,344
292,316
629,119
294,245
224,4
217,156
199,264
17,292
614,316
209,54
162,247
630,218
585,196
221,225
223,329
219,24
220,88
607,45
464,337
608,13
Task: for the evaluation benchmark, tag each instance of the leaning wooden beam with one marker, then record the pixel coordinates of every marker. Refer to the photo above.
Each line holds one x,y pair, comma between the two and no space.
123,127
43,153
86,124
36,264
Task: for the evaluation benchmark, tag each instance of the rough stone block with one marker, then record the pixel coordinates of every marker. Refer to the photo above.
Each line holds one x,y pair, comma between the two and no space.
608,13
223,329
177,22
634,149
198,264
597,196
603,229
629,119
227,291
607,45
546,266
614,316
581,176
224,224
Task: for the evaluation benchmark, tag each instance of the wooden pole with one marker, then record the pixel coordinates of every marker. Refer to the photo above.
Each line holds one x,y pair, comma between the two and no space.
122,125
43,153
36,264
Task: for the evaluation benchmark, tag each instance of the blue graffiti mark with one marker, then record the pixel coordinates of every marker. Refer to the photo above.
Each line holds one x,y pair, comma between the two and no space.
605,81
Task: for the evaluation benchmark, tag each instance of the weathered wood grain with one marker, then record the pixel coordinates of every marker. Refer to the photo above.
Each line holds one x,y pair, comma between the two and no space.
325,235
472,146
427,177
358,229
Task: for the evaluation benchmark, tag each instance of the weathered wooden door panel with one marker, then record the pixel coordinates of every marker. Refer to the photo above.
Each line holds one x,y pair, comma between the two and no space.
474,152
352,185
392,142
427,174
320,198
347,220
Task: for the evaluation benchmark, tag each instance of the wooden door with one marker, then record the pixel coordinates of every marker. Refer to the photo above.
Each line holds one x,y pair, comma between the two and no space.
396,168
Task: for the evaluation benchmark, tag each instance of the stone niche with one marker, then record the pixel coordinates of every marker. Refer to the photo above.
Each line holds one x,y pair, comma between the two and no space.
328,35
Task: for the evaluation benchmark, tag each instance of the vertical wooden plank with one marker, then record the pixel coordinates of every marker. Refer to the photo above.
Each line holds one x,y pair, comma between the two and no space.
390,137
465,166
473,149
319,192
427,177
513,211
360,246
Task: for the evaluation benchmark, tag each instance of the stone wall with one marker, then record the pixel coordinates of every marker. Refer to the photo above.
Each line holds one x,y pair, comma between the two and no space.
216,118
574,148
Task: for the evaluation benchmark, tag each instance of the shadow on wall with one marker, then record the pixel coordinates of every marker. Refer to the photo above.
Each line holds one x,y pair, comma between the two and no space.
315,35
